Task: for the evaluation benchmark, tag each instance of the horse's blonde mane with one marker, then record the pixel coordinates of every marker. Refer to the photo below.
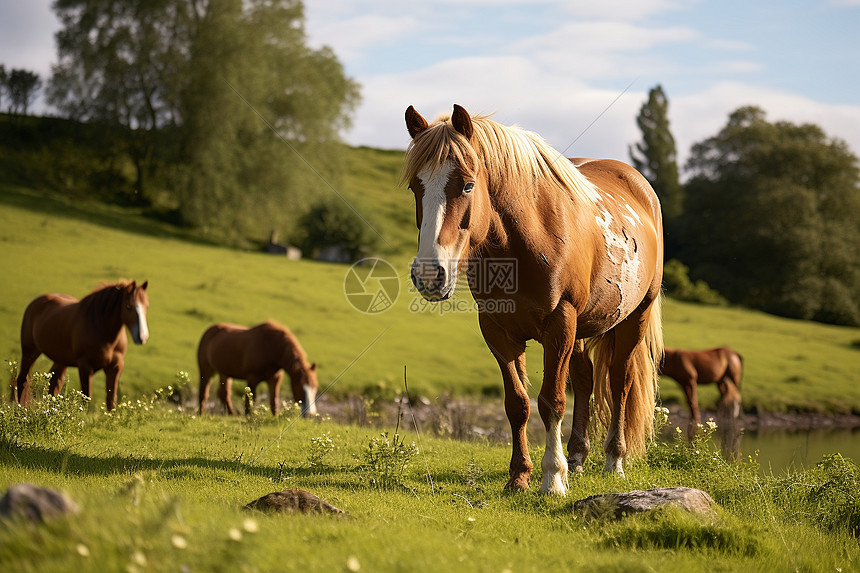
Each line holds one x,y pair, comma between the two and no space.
513,157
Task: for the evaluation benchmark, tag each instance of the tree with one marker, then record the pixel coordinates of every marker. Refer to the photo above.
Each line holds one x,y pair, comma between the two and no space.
770,218
655,155
21,87
173,74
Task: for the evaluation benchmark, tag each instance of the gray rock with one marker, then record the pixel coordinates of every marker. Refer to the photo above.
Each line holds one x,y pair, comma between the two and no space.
618,505
35,503
292,501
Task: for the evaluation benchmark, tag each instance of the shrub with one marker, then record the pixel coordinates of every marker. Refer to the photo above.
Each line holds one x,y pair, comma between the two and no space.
677,283
332,223
386,460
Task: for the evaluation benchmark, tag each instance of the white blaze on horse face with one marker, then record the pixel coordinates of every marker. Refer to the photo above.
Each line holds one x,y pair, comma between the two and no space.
430,252
142,331
623,254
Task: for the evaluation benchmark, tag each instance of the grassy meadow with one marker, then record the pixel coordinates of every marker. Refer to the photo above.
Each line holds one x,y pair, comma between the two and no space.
171,485
163,490
55,244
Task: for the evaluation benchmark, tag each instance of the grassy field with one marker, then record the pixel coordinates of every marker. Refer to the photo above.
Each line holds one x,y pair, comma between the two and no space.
50,244
172,486
163,490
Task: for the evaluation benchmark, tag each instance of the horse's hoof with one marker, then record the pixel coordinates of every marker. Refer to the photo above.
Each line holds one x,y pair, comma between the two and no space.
555,486
613,466
518,483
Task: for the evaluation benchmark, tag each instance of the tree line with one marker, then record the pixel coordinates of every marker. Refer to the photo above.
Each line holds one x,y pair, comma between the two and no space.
768,216
213,108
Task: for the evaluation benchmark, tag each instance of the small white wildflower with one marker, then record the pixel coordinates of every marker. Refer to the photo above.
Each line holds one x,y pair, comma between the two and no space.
83,550
235,534
711,424
250,526
138,558
352,563
179,542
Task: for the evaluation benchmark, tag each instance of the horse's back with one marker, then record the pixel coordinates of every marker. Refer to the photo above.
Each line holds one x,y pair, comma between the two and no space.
235,350
47,324
617,176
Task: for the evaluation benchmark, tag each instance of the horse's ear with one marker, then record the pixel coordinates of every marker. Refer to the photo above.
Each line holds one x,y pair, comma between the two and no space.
415,124
462,121
144,285
131,287
313,367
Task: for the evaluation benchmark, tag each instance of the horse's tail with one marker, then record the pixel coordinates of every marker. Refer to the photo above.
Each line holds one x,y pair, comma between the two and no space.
645,368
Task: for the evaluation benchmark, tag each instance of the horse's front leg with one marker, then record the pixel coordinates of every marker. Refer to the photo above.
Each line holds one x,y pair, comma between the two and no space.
275,392
690,391
582,380
511,359
112,374
85,372
224,391
58,371
558,341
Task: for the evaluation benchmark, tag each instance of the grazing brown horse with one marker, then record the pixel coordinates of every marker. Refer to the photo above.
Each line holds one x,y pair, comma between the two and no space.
690,368
556,251
88,334
257,354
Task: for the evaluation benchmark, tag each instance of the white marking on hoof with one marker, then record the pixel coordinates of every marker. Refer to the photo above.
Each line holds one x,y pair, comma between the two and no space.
613,465
554,464
575,463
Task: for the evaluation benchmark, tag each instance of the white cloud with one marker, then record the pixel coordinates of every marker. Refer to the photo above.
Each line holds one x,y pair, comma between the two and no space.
353,36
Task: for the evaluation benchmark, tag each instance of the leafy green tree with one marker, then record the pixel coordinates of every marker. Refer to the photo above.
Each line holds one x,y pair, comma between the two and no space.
770,218
21,87
200,87
655,155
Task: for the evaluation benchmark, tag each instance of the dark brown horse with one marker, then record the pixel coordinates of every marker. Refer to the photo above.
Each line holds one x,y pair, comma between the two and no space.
88,334
690,368
582,243
257,354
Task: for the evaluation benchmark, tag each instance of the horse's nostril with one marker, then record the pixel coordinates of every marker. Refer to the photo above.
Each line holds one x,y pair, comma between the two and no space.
439,282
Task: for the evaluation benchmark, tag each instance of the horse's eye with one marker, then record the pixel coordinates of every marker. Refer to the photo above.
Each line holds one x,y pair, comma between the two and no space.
468,187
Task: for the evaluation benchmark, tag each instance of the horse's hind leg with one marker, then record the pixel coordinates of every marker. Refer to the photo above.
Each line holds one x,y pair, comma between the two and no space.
58,372
28,358
224,391
582,380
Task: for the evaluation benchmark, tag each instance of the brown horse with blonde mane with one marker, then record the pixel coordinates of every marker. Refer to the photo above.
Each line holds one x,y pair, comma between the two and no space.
88,334
690,368
582,240
258,354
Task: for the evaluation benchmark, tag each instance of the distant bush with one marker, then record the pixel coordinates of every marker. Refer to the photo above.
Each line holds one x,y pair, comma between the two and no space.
332,224
677,284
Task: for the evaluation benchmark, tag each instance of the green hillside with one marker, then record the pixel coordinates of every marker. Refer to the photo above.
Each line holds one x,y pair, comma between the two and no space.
52,244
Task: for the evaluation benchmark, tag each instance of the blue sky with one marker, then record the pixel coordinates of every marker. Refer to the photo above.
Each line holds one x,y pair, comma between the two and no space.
553,67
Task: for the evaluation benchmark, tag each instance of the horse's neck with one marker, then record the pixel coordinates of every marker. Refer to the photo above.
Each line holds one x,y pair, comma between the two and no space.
522,217
105,322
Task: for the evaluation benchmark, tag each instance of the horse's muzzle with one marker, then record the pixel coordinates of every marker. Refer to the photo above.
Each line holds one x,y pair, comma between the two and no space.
431,282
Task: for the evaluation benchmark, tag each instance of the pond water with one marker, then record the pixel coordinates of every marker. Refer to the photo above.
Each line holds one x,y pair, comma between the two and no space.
780,450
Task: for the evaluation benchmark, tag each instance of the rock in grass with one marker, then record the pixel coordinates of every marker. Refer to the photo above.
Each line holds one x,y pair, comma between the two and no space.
618,505
34,503
292,501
